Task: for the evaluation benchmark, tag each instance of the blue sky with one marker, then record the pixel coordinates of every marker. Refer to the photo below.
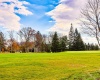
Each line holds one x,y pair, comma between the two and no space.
39,20
41,15
27,13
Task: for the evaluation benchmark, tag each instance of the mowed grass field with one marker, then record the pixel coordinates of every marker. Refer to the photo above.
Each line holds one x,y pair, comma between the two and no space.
50,66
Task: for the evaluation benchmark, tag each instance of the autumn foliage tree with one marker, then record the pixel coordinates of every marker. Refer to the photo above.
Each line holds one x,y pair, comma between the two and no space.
14,46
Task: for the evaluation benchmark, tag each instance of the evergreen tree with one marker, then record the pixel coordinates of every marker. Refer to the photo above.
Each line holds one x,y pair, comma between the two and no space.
75,41
63,43
91,46
96,47
78,44
55,43
71,38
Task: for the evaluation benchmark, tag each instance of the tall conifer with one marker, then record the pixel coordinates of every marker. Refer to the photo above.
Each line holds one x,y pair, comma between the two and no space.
55,43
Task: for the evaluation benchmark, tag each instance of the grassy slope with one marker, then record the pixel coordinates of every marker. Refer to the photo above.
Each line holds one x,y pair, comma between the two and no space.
58,66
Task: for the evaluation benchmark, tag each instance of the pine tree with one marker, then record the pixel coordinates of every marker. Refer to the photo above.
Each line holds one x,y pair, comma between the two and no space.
91,47
71,38
55,43
63,43
78,42
96,47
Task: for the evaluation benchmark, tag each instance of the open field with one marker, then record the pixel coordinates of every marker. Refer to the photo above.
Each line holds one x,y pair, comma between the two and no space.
50,66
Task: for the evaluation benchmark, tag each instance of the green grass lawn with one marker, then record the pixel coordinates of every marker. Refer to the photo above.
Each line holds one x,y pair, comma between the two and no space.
50,66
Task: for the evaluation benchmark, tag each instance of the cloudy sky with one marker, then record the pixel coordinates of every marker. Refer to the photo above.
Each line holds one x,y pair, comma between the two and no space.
42,15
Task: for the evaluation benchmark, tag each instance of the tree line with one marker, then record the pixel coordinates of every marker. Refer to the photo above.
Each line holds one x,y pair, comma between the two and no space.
33,41
74,42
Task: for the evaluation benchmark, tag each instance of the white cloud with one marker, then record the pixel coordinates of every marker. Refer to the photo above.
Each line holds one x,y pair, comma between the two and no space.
64,15
8,17
67,12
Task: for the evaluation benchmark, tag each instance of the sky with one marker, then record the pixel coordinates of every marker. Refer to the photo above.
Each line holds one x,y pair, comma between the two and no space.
42,15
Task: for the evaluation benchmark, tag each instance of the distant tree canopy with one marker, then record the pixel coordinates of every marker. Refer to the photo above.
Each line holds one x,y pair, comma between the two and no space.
91,46
33,41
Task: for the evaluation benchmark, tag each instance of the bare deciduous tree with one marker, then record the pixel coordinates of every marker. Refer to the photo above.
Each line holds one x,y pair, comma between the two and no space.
2,41
49,39
91,19
38,41
26,35
11,40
